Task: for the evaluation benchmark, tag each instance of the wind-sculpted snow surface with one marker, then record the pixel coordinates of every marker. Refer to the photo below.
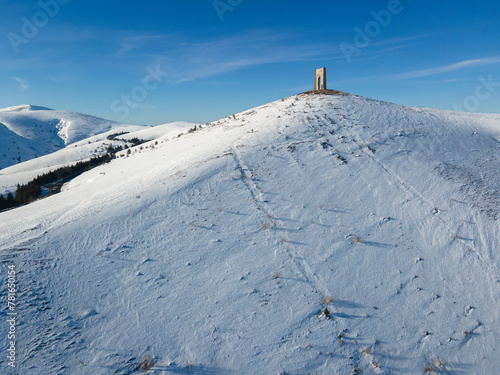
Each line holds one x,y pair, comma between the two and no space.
319,234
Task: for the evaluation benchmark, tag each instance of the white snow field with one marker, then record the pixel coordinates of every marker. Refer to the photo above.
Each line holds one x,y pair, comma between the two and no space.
319,234
27,132
83,150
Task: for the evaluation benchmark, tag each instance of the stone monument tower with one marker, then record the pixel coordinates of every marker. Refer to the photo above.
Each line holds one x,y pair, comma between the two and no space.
320,79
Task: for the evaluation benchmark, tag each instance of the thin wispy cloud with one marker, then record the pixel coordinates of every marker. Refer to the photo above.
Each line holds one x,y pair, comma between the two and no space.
23,84
186,60
192,61
455,80
386,47
21,64
400,41
447,68
131,43
426,73
391,50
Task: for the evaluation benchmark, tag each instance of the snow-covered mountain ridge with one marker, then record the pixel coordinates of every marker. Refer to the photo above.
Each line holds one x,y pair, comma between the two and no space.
314,235
28,132
25,107
83,150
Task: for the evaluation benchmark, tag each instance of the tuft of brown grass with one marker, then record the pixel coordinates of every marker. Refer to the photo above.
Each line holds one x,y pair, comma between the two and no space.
323,92
327,300
429,368
341,339
440,362
147,363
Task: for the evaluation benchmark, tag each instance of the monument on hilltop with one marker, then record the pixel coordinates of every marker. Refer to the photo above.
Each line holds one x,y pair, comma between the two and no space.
320,85
320,79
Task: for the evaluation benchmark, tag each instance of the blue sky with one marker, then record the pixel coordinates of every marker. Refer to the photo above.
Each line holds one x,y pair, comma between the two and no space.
152,62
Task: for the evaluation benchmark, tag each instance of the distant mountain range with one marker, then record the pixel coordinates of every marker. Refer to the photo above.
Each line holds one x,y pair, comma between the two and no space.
28,131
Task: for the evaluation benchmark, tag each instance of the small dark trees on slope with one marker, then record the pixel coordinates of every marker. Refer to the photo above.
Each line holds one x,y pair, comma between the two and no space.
33,190
10,199
192,130
3,203
8,202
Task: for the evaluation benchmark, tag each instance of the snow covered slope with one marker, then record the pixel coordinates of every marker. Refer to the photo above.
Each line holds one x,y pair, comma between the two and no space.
83,150
27,131
315,235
